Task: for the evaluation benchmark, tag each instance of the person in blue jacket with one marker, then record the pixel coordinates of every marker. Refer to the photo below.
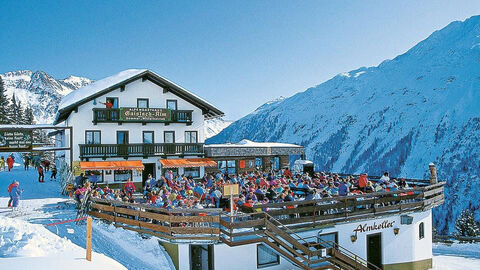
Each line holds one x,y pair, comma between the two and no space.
15,193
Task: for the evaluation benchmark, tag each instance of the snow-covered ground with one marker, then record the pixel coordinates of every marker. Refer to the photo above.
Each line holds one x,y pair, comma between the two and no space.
26,241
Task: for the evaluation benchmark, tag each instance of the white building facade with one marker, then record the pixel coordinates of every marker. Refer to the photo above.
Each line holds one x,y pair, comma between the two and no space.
131,117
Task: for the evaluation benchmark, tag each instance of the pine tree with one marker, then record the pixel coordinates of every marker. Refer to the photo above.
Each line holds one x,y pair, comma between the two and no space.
12,113
465,225
3,104
29,119
19,114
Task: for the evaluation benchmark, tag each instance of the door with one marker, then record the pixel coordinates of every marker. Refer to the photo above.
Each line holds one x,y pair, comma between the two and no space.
201,257
122,142
374,249
149,168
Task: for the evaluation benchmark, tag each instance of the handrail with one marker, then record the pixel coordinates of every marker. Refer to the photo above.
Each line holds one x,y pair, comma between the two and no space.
281,224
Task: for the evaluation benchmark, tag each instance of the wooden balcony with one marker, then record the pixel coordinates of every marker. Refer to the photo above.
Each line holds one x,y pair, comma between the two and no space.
139,150
144,115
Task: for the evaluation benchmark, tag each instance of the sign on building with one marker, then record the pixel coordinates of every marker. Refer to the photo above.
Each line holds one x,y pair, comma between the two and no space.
144,114
11,139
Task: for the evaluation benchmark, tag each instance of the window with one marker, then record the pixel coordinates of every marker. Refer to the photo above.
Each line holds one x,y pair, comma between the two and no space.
421,230
122,137
275,163
266,257
122,175
259,163
148,137
92,137
113,100
142,102
326,240
94,176
227,166
169,136
193,172
191,137
171,104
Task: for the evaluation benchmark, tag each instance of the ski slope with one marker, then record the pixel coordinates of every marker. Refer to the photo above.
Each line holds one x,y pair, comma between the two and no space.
25,240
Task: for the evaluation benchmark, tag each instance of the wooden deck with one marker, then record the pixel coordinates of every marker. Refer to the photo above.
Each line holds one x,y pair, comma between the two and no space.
215,225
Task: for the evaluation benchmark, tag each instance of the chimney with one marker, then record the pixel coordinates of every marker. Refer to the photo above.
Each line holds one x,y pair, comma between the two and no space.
433,173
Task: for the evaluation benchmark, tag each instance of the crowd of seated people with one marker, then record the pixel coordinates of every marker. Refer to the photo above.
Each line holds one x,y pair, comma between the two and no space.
255,188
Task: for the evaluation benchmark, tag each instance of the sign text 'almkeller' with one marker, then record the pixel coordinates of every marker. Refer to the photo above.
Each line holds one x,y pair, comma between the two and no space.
373,227
15,139
145,114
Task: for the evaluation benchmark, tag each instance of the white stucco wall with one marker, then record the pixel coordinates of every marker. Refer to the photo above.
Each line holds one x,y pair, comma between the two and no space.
401,248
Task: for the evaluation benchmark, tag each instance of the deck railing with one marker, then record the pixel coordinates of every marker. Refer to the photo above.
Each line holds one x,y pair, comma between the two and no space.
104,115
139,150
296,215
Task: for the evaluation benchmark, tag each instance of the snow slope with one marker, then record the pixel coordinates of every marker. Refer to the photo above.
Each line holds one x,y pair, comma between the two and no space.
40,91
22,233
214,126
25,244
419,107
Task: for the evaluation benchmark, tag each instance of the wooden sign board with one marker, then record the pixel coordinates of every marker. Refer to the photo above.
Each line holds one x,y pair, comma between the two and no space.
144,114
229,190
15,139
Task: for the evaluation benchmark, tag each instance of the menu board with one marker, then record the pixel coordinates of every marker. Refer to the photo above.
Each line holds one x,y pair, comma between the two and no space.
15,139
144,114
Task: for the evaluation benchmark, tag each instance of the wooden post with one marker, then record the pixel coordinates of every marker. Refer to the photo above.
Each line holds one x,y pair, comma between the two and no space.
433,174
89,238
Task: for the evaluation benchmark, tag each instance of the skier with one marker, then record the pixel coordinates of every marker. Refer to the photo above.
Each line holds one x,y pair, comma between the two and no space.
10,162
41,176
15,194
10,193
26,162
54,173
46,165
2,164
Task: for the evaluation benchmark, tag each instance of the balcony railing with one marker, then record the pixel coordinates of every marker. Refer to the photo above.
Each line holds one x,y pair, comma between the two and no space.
104,115
139,150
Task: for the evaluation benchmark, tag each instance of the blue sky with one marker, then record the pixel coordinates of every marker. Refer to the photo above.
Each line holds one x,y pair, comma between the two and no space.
235,54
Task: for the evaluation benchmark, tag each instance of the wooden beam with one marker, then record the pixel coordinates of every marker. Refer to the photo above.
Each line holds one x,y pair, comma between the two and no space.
122,88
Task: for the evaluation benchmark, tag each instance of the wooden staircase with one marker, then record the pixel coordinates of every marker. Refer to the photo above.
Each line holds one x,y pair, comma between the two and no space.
308,254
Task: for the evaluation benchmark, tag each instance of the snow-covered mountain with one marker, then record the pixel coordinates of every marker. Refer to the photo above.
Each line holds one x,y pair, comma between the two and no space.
214,126
419,107
40,91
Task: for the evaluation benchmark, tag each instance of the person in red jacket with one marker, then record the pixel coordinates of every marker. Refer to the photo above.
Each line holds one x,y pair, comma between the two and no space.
287,173
10,162
362,181
9,193
129,188
41,176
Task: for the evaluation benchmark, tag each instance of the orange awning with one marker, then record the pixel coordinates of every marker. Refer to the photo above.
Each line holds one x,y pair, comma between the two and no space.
188,162
112,165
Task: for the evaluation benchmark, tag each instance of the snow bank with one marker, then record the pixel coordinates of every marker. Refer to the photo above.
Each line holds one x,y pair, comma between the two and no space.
454,263
18,238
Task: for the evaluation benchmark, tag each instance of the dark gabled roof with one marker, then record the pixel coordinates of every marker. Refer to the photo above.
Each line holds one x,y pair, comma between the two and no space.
99,88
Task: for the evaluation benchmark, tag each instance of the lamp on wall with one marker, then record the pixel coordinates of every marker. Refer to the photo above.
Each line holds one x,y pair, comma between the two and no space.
353,237
396,230
94,101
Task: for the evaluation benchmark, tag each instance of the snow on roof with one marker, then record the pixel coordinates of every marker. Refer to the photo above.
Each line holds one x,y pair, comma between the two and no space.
248,143
91,89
